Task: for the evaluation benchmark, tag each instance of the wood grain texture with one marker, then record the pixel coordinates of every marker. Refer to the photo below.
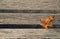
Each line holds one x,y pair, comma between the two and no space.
29,34
30,4
26,18
29,18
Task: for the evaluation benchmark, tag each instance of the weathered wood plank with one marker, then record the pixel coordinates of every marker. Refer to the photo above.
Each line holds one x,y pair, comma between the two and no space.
29,34
25,18
30,4
28,18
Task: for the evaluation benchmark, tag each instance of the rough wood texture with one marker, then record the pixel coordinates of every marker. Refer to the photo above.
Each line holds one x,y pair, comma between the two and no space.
25,18
29,34
30,4
29,18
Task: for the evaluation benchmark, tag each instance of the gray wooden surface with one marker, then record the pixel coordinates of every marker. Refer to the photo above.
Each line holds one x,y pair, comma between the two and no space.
29,18
30,4
26,18
29,34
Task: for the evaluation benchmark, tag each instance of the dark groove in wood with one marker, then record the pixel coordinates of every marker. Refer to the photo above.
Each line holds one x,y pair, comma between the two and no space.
29,11
29,26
